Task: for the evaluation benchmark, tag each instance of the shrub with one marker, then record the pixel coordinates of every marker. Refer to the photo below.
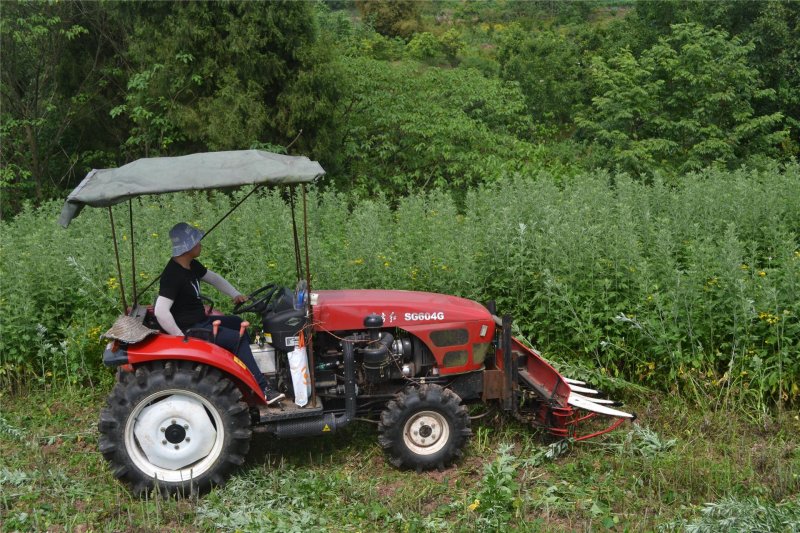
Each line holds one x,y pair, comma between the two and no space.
692,285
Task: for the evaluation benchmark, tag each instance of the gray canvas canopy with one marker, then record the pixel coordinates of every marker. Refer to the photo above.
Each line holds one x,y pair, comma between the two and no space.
211,170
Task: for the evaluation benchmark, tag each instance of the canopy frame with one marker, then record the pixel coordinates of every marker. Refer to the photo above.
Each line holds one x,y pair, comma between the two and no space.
212,170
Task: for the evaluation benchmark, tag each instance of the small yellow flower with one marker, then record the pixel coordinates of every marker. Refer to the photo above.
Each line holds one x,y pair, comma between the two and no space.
112,283
386,264
762,273
359,261
154,234
272,264
769,318
744,267
474,505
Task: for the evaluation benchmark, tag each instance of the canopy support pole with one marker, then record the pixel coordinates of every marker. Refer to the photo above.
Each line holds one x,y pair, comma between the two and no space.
298,262
133,255
305,236
310,336
119,269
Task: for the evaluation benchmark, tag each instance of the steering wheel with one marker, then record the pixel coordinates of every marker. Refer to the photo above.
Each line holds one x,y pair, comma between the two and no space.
256,303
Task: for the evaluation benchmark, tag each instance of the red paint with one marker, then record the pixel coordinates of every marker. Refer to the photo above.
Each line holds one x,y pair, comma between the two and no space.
165,347
419,313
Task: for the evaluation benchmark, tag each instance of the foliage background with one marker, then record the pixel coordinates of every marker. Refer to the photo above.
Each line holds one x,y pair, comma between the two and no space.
693,284
401,96
619,175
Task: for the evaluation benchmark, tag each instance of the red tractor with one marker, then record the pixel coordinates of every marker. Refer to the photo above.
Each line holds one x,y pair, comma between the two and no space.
181,415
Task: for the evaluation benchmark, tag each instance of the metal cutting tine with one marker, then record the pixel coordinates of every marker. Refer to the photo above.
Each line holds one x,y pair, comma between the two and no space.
584,390
583,403
574,381
595,400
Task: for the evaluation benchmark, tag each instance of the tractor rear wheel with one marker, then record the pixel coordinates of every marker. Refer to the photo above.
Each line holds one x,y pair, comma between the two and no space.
176,427
424,427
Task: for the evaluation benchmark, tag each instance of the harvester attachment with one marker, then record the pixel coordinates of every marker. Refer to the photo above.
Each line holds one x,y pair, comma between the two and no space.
545,398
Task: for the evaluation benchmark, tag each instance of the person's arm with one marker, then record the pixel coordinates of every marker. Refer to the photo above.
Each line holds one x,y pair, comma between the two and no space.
221,284
164,316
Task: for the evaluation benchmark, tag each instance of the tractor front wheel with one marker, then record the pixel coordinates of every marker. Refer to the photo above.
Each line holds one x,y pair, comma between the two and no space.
424,427
176,427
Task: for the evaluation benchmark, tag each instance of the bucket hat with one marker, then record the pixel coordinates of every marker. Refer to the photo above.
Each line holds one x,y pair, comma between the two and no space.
184,237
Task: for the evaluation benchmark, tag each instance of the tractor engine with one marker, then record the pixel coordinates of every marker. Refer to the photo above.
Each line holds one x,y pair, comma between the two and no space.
380,358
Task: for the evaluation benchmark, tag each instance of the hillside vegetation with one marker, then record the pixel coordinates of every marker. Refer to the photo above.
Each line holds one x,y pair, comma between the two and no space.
621,177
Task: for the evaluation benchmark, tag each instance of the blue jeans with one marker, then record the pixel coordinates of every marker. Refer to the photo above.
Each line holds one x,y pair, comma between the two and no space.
228,338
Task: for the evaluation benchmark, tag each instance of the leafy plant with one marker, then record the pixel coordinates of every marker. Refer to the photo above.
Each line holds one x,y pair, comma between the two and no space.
498,498
749,514
684,104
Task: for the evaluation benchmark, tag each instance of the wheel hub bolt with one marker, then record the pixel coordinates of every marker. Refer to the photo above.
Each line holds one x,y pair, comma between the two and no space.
163,430
177,447
164,442
186,426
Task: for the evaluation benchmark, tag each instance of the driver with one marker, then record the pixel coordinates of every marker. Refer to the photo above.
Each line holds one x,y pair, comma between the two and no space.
179,306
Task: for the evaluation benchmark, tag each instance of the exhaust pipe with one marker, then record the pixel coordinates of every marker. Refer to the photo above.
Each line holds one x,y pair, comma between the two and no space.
330,422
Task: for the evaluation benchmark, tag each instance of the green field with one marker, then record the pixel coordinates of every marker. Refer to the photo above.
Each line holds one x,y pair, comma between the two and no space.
619,176
681,299
682,466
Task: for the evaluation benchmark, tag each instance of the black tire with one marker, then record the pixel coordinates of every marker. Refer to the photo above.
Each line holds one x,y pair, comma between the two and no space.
424,427
146,431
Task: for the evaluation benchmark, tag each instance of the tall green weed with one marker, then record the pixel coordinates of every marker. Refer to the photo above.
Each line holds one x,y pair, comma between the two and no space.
690,287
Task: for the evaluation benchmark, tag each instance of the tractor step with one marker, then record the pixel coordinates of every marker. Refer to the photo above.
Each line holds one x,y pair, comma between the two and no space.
286,409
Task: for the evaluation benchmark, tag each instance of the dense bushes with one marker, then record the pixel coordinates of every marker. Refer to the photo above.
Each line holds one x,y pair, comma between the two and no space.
666,285
396,97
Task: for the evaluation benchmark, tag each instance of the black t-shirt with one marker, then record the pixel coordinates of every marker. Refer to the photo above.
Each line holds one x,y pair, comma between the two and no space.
182,286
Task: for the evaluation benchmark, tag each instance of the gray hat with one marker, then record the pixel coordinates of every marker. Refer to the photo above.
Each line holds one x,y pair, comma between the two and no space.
184,237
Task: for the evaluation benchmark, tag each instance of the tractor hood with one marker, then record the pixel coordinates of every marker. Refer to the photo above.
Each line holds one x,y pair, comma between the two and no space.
346,309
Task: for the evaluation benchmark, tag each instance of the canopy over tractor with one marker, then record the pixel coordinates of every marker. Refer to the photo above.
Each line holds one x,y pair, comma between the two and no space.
180,417
211,170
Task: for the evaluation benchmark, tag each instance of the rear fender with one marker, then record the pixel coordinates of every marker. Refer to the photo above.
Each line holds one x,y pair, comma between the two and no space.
168,347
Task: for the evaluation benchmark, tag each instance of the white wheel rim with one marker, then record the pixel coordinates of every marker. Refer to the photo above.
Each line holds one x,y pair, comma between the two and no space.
174,435
426,432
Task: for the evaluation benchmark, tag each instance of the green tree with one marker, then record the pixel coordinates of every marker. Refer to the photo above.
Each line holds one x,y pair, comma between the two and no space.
225,75
772,27
685,103
58,70
412,127
551,69
399,18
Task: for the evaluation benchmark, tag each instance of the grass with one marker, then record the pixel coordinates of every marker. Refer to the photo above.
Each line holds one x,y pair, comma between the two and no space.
682,468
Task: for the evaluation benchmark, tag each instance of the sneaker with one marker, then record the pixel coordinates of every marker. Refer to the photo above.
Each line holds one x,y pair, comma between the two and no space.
273,396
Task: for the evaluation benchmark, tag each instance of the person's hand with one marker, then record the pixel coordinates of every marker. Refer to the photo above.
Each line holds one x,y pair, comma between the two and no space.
239,299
